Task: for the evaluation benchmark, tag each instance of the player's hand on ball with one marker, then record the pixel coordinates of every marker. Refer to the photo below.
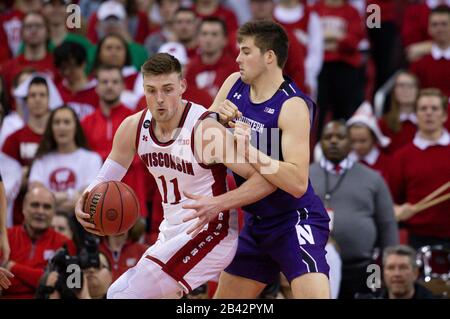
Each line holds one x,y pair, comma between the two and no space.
83,218
206,209
228,112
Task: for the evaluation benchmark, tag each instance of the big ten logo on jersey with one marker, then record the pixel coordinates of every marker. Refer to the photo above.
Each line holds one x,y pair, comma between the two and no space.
62,179
215,233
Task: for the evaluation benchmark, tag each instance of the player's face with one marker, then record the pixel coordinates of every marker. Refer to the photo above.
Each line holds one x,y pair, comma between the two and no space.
430,114
163,95
335,142
64,127
38,209
399,275
37,100
250,60
61,225
362,140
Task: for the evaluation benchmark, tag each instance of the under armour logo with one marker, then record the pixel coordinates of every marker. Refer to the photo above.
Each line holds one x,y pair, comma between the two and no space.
237,96
145,138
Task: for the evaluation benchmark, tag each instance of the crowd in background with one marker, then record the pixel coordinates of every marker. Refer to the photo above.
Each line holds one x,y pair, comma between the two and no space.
381,145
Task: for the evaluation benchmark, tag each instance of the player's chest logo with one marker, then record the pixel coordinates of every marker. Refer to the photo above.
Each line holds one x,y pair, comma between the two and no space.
237,96
269,110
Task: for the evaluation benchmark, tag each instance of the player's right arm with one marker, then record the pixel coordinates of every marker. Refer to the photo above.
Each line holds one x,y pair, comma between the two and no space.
227,110
115,166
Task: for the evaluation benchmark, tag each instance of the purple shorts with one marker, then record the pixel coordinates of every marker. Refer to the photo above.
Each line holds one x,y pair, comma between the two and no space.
292,243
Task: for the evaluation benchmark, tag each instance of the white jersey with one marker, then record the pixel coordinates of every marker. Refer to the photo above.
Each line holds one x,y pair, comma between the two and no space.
174,166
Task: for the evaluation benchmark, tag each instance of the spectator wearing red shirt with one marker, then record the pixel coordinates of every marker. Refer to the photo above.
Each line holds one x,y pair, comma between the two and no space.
11,24
400,122
185,26
122,253
101,126
208,70
35,36
76,89
341,82
33,244
421,167
296,17
213,8
433,69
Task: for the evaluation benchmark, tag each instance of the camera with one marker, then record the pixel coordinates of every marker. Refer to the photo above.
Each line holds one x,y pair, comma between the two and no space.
87,258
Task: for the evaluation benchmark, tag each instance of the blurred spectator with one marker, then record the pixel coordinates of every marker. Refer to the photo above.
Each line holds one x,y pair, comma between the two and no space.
213,8
76,89
101,126
384,40
11,25
62,159
33,243
56,15
400,273
367,141
241,8
136,23
113,50
208,70
341,83
400,122
185,27
99,279
433,69
35,38
419,168
154,41
65,225
14,120
122,253
112,21
353,192
89,7
415,31
4,243
296,17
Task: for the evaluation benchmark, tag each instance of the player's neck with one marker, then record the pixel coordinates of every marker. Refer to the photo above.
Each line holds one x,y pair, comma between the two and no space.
266,85
164,131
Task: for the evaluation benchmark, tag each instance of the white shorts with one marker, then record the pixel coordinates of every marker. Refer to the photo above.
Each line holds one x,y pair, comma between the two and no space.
177,263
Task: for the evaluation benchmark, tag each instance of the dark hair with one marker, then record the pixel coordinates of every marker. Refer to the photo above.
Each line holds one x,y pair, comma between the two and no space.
107,67
268,35
440,9
401,250
69,51
392,117
433,92
161,63
100,45
217,21
39,81
48,143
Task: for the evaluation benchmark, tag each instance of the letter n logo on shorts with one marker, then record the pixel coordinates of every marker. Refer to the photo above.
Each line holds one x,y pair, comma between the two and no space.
304,234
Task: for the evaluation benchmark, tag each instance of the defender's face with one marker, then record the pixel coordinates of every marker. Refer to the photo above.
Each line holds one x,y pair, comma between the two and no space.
163,95
250,60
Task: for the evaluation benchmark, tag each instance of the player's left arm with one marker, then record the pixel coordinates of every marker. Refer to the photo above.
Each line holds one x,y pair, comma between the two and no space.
253,189
290,175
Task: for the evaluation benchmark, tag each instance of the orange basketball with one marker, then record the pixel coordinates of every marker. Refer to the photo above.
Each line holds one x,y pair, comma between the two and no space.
113,206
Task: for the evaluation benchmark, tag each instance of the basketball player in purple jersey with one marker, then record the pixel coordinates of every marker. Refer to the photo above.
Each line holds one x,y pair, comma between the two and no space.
286,231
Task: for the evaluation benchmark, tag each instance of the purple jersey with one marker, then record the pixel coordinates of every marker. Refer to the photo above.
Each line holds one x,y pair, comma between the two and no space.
263,119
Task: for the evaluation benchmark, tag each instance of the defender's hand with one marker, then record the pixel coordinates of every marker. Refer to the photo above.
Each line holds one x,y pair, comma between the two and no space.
228,111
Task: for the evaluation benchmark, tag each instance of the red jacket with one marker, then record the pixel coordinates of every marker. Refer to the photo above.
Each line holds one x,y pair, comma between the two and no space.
128,257
415,24
22,145
31,258
433,73
398,139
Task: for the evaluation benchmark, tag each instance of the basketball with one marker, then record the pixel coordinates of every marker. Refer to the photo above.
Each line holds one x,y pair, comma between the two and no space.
113,207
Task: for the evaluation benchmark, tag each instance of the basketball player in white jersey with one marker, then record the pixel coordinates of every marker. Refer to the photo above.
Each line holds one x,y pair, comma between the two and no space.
172,137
